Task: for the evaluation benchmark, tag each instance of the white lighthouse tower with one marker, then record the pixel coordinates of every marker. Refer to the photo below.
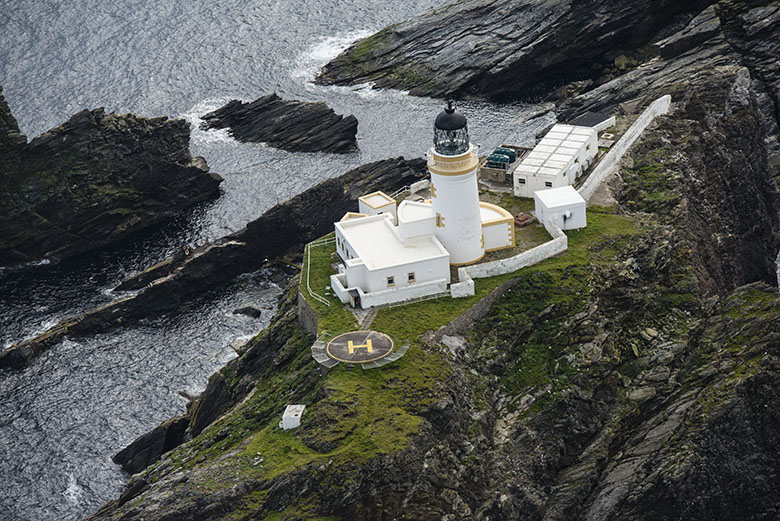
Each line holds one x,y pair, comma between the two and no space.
453,164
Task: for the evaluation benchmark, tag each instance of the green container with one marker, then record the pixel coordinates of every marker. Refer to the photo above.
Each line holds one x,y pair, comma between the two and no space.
507,152
498,161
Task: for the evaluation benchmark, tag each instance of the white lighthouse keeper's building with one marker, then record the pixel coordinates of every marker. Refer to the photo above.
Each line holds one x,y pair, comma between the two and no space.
453,163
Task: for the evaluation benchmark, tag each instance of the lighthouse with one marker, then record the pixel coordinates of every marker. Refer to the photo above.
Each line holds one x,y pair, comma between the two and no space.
453,163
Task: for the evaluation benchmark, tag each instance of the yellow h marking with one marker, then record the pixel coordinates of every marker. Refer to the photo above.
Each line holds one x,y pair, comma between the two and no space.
353,346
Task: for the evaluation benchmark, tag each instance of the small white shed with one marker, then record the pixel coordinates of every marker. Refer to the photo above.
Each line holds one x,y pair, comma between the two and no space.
562,206
292,417
377,203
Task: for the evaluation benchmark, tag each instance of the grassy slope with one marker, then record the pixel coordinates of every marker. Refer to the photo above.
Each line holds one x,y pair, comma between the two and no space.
355,415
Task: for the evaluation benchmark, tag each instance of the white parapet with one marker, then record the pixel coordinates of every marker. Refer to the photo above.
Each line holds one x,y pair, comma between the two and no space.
464,288
613,157
558,244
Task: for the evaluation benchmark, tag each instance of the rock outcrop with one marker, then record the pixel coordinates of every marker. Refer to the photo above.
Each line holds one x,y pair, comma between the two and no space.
496,49
634,377
298,126
282,230
148,448
93,180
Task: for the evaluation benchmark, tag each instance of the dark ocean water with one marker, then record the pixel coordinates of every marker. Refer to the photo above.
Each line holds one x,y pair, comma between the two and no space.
62,418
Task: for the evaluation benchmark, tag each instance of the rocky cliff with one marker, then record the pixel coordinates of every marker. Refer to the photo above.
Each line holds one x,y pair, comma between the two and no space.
92,180
506,49
297,126
633,377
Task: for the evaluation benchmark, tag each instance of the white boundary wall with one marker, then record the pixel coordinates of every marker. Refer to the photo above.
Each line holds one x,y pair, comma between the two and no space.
613,157
558,244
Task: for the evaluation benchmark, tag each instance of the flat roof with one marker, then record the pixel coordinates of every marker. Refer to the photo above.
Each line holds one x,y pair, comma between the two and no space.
352,215
562,196
591,119
377,199
294,410
556,150
490,213
378,246
410,211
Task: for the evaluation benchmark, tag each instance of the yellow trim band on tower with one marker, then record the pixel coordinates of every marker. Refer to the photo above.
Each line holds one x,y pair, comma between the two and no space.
453,172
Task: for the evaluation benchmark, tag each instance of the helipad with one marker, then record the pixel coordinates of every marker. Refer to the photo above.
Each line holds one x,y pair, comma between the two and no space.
359,347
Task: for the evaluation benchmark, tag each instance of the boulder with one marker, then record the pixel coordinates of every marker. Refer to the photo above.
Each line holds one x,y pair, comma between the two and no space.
147,449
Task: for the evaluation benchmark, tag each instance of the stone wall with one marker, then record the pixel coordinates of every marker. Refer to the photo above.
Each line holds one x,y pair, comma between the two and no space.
307,318
613,157
464,288
466,319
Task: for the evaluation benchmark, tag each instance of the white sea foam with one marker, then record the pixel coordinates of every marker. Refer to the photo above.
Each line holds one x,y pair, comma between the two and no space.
193,117
74,492
311,60
778,269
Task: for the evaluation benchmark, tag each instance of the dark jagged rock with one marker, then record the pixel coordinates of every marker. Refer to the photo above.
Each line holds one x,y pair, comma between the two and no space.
704,26
501,49
710,160
249,311
93,180
284,229
11,140
660,399
147,449
298,126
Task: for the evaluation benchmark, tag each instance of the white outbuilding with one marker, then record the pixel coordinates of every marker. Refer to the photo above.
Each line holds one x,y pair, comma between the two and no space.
291,418
564,207
377,203
557,160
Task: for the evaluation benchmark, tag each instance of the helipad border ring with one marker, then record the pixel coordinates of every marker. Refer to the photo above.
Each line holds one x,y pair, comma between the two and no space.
350,333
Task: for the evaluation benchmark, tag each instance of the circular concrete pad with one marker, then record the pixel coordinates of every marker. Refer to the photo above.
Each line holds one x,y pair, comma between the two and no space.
359,347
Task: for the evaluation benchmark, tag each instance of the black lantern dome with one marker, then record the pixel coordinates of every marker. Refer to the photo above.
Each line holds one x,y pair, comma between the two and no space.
450,132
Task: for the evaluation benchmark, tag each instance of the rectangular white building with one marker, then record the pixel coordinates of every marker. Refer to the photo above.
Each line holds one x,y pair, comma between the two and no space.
291,418
377,203
381,266
564,207
557,160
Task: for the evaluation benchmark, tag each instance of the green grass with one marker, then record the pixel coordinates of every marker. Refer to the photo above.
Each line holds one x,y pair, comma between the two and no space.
334,318
527,319
354,415
408,322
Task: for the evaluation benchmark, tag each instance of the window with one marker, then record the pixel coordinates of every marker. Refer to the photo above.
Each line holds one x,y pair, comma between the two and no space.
390,281
521,180
548,184
410,277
